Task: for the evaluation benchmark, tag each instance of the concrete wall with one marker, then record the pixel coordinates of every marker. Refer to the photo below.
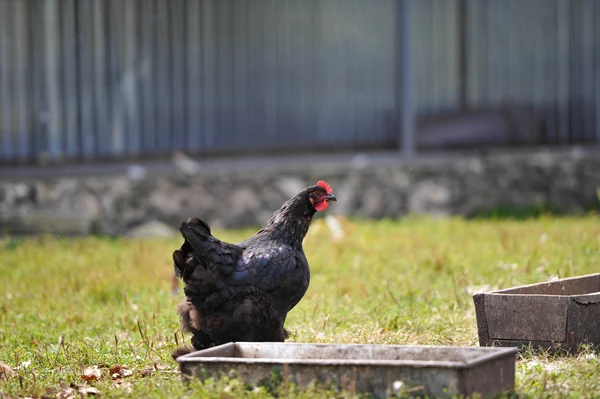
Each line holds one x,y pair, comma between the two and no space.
375,187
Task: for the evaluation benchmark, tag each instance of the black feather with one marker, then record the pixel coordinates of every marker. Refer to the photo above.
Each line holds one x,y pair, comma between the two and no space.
243,292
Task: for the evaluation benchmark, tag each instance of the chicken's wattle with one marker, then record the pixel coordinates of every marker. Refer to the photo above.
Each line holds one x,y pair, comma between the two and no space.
322,205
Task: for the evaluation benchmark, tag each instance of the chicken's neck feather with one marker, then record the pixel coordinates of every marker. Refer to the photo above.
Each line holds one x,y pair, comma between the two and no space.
290,223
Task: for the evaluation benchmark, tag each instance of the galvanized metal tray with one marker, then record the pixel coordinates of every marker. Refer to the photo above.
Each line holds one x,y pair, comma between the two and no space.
560,314
380,370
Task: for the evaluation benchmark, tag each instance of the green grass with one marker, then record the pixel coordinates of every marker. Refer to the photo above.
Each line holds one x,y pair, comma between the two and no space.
66,304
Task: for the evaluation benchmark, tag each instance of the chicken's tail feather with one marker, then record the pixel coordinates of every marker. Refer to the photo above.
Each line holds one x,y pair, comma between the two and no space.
179,261
198,225
195,231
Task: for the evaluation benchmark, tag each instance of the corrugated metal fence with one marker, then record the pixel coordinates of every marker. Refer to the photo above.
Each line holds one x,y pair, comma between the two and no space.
89,78
543,53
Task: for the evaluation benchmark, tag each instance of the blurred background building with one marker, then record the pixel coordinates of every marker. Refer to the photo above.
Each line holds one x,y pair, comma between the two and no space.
110,79
151,106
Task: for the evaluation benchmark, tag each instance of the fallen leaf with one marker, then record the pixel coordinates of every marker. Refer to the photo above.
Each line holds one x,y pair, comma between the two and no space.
88,391
66,393
158,366
6,371
91,373
118,371
50,393
146,372
126,386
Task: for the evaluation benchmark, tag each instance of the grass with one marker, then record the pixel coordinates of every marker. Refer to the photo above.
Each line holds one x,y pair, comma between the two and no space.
71,304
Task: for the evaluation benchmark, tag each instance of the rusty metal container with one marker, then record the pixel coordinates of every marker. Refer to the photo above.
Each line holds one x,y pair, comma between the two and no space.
560,314
380,370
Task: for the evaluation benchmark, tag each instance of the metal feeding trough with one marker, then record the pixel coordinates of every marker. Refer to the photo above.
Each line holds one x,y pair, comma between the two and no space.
380,370
562,313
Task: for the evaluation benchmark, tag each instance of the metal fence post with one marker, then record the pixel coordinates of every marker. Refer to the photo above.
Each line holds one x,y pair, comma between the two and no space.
53,100
406,110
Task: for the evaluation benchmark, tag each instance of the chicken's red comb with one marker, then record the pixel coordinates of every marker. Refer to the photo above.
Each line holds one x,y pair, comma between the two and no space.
323,184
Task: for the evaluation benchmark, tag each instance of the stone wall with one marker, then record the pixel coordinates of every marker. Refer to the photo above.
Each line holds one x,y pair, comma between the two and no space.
154,204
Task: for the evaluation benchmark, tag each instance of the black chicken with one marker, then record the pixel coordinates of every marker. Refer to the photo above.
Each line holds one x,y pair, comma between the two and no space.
243,292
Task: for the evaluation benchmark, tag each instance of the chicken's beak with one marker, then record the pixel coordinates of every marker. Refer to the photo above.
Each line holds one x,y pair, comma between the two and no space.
330,197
